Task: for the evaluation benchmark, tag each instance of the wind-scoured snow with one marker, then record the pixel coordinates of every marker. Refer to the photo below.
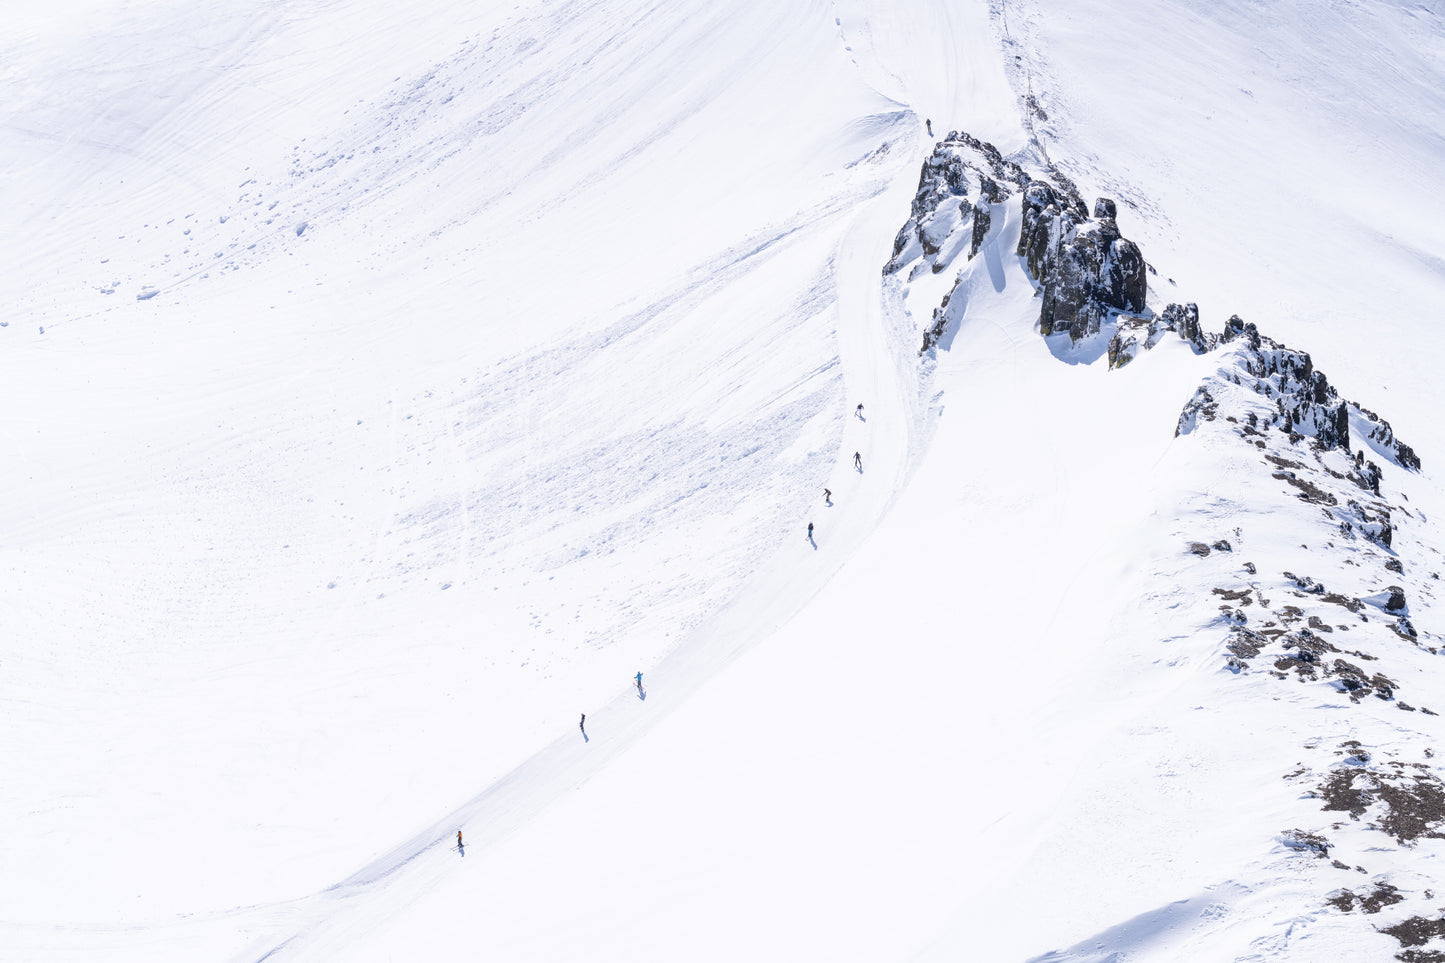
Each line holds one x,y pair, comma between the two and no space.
384,388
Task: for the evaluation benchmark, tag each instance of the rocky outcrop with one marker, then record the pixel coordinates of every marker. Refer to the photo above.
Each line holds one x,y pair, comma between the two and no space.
1085,267
1379,436
1290,394
951,210
1184,320
1091,278
982,221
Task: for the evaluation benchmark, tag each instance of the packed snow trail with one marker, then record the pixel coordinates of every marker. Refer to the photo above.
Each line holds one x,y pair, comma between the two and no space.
876,350
876,365
348,483
880,368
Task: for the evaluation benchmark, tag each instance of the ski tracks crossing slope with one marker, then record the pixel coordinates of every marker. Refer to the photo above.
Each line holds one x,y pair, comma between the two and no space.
877,370
875,344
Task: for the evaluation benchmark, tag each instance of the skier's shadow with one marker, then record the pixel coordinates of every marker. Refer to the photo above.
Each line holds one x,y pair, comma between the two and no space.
812,543
641,693
461,850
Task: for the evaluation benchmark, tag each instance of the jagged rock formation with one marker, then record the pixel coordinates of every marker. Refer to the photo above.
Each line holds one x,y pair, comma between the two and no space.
1289,393
1182,319
961,181
1087,271
1090,275
1086,267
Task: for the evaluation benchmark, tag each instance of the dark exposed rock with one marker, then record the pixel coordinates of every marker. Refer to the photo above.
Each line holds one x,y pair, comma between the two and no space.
1412,805
982,221
1308,490
1335,598
1371,520
1125,344
1234,328
1370,901
1416,931
1086,268
1392,600
1128,284
1244,644
1184,321
1298,839
1306,583
944,173
1201,407
1367,474
1378,430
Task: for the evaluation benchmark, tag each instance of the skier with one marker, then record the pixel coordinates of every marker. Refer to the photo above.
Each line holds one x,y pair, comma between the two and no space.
583,724
810,531
639,682
827,497
858,461
859,410
929,122
459,839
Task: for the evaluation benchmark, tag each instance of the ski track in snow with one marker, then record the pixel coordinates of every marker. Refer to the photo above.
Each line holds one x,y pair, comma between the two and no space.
877,366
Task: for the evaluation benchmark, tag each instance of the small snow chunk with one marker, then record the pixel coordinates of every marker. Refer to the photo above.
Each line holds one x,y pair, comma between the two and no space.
147,293
300,228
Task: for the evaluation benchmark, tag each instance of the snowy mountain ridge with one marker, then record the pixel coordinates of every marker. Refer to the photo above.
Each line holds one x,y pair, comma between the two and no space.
1269,400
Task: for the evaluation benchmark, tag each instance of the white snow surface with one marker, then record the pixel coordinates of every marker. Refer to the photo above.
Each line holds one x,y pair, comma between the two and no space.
385,385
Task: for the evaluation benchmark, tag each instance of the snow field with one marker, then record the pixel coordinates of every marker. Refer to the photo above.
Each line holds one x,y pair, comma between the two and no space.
385,387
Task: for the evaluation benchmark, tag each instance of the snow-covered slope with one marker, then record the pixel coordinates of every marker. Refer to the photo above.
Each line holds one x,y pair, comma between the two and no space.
386,387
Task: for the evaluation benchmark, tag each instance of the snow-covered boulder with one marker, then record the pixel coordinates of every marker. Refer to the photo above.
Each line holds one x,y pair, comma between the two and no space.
1391,601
